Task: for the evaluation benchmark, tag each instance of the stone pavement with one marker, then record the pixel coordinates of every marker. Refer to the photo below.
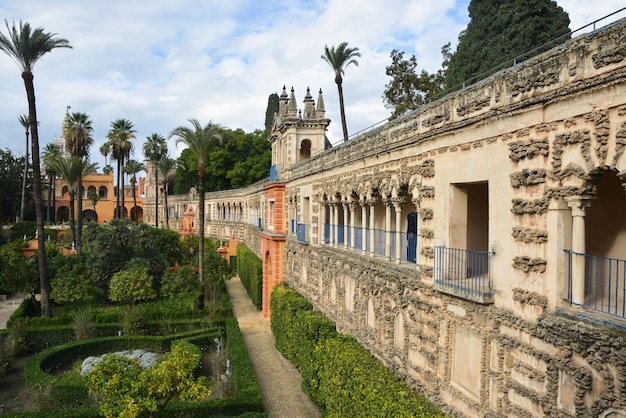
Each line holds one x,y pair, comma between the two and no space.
278,379
8,306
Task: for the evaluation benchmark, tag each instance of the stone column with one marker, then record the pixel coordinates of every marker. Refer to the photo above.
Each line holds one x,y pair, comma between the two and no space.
397,205
418,242
578,204
387,203
372,203
363,225
347,211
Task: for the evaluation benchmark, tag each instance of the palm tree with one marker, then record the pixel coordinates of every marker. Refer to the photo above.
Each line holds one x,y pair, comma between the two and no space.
25,46
51,152
71,169
132,168
153,149
165,166
105,150
199,140
338,59
78,139
120,135
26,124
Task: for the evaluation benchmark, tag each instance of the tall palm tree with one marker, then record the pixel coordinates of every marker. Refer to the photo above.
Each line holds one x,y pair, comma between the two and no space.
25,46
105,150
120,135
71,168
199,140
132,168
51,152
165,166
338,59
78,139
26,124
153,149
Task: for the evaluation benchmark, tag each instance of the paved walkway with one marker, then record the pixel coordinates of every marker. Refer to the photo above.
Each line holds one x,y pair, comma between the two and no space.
278,379
7,307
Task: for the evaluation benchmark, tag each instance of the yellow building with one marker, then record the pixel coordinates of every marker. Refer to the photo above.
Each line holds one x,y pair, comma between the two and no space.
99,199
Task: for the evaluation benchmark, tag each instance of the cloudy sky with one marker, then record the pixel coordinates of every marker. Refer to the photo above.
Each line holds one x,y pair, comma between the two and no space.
159,63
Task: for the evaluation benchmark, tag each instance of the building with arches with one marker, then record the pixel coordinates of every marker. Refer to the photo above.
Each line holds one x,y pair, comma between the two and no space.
476,245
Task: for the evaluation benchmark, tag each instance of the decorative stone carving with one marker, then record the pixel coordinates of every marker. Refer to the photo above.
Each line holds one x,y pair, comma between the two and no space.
528,177
526,297
520,150
524,207
530,235
527,264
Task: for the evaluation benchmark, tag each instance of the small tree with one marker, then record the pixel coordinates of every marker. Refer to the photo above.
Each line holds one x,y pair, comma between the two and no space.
131,285
124,389
72,284
180,282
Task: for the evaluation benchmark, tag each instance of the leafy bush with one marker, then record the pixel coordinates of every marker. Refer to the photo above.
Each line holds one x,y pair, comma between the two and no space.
180,282
126,389
250,271
132,285
134,322
83,327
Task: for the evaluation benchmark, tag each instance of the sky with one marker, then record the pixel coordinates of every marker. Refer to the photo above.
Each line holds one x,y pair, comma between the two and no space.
160,63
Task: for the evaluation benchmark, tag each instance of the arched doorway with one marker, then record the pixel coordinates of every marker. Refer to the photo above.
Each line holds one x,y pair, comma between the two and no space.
139,211
90,215
63,214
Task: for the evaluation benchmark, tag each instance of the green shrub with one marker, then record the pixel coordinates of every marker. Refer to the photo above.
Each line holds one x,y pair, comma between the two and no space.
250,271
83,326
134,322
337,372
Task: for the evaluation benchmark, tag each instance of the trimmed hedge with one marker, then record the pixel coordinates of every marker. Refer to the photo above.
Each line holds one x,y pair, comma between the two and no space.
337,372
246,402
250,271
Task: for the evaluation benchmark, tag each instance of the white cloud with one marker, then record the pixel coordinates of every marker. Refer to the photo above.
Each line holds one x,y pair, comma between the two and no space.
160,63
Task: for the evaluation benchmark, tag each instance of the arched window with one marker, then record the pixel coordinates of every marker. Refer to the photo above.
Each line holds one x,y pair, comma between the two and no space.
305,149
103,192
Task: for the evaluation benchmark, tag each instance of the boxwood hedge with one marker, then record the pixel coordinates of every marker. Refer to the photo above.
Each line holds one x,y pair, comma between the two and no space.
337,372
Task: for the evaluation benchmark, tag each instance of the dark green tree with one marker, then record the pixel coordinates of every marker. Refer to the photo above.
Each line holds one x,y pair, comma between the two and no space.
10,185
501,30
26,46
240,160
272,108
408,89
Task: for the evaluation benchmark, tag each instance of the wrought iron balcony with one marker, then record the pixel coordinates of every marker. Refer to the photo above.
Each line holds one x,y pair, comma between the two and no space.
464,273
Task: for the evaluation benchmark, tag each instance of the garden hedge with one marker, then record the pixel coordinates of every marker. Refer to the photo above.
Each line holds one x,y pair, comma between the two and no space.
250,271
247,399
337,372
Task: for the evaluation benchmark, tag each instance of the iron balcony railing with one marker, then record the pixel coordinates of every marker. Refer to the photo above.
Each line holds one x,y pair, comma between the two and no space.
358,238
605,283
464,273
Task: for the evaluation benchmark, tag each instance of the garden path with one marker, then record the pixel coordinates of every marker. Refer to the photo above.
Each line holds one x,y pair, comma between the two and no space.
278,379
8,306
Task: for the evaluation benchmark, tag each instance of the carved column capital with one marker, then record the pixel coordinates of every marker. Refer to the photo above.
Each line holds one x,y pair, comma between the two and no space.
578,204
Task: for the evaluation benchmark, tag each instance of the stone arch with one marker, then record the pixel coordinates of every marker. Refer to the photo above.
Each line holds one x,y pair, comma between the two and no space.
305,149
613,413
